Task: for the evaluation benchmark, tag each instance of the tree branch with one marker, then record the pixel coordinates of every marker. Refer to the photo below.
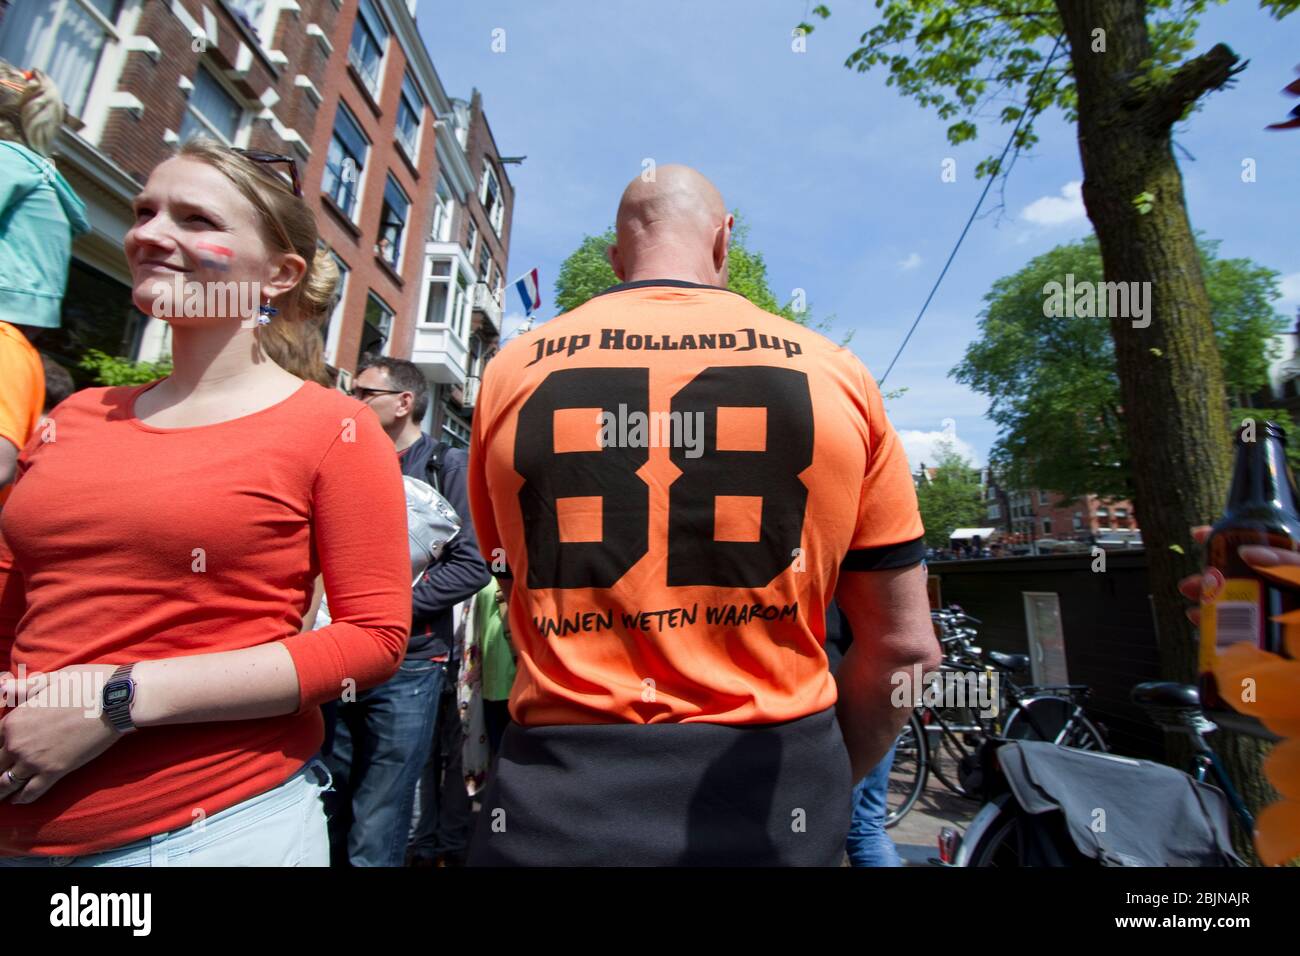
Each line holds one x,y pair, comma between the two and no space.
1166,103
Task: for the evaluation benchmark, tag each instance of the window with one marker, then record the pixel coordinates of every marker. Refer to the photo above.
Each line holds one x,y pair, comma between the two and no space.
1047,526
484,263
64,40
443,208
1078,521
211,110
471,239
489,194
340,293
1121,512
454,431
439,291
250,11
374,331
458,305
995,511
1042,498
345,161
409,113
366,51
392,222
1102,512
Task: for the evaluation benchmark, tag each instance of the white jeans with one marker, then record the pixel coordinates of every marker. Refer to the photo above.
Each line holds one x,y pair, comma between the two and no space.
284,826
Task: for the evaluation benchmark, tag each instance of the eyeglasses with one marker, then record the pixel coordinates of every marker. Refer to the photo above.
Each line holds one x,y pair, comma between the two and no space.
19,87
365,394
262,156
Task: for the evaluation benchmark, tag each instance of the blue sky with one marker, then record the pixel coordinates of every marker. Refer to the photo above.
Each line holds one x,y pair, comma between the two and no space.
837,175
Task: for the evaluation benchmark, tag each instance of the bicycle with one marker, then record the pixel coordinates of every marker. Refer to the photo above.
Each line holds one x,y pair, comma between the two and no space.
997,835
1050,713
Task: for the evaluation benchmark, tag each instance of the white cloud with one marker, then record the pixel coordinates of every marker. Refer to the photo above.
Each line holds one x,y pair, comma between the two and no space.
1291,288
911,262
512,323
1055,210
924,447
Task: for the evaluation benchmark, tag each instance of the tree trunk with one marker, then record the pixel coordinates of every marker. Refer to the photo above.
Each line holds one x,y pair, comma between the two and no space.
1175,407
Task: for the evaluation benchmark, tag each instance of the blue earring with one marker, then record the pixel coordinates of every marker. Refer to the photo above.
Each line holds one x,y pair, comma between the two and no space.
265,311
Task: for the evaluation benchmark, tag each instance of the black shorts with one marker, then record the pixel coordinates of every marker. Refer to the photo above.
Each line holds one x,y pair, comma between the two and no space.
668,795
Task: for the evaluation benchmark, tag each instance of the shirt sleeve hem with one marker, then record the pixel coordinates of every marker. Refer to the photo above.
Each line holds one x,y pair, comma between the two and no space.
886,557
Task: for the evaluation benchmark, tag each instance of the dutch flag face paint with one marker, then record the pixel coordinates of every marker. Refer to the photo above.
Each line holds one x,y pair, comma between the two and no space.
215,257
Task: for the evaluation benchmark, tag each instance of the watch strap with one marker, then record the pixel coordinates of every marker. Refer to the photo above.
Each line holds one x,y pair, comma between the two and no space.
119,714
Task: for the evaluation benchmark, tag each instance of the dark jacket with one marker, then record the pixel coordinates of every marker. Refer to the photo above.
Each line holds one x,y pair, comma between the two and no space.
460,572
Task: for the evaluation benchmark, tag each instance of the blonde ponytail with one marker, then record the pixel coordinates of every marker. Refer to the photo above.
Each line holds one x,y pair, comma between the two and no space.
32,114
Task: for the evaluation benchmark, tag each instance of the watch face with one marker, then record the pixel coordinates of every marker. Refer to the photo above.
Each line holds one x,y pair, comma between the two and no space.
117,693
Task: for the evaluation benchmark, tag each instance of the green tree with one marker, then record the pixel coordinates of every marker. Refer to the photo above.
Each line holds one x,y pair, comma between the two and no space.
114,370
950,499
1121,71
1053,383
587,272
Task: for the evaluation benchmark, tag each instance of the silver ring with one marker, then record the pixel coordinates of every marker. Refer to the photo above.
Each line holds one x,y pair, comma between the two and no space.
15,779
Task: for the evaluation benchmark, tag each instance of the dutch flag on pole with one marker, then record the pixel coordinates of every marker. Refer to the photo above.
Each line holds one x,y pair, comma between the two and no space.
529,286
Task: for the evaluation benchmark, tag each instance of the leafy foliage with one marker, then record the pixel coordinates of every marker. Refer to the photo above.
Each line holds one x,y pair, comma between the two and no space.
1053,382
951,499
114,370
972,59
587,273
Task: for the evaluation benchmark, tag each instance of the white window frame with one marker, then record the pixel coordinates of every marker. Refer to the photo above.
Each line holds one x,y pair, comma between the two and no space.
444,213
357,194
241,123
388,331
355,61
42,51
396,261
335,321
496,217
411,149
444,280
472,239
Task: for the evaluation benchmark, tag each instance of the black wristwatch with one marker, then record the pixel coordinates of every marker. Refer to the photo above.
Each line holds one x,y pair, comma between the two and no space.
118,695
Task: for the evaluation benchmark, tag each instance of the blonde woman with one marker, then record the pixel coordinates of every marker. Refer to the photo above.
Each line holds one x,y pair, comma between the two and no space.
39,215
164,541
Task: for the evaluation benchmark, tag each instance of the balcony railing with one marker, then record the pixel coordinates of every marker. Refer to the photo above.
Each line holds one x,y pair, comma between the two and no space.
486,302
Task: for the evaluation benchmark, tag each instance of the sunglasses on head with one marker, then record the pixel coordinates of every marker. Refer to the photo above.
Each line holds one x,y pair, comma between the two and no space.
28,76
265,158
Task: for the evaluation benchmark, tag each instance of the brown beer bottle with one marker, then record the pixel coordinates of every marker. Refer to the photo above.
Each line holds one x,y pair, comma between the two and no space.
1237,604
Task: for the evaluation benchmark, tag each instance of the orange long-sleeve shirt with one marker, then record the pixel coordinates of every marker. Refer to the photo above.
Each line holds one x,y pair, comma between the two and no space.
123,542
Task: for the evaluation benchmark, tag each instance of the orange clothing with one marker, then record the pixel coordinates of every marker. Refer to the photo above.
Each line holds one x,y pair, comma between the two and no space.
676,479
22,390
134,543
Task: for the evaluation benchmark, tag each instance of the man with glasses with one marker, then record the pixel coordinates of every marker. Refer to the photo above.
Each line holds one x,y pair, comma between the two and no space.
382,740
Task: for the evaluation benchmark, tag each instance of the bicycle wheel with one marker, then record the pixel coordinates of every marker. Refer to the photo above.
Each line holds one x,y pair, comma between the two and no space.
1054,720
1002,842
954,753
909,772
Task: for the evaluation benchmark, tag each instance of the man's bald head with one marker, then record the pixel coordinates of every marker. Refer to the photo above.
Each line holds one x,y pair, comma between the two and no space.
674,226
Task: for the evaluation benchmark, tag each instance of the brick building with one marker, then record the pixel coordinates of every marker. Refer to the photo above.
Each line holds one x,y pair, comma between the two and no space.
409,192
1025,517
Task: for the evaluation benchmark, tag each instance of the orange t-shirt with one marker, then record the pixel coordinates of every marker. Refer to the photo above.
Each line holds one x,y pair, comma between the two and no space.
675,479
22,390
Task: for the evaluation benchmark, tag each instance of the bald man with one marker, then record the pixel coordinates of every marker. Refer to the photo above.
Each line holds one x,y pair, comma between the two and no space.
673,483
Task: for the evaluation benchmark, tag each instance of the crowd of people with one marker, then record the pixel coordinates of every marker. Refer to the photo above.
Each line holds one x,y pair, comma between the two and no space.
300,612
